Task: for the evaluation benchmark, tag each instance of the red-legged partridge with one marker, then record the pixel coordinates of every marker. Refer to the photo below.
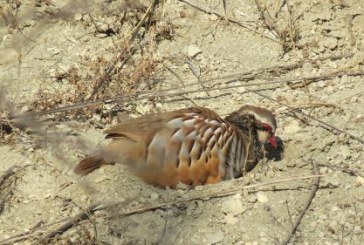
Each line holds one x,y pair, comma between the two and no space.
193,146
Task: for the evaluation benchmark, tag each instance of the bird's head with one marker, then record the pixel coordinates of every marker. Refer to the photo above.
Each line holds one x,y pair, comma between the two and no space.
264,122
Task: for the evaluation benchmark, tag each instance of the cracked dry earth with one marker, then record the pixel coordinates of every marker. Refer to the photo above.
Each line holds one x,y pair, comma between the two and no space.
64,46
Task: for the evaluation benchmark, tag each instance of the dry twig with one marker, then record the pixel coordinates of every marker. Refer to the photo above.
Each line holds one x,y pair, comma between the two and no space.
222,16
69,222
164,93
124,55
8,173
6,191
316,185
231,78
344,169
322,123
72,221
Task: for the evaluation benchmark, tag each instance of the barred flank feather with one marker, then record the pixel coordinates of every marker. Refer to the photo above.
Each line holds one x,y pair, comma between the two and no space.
193,146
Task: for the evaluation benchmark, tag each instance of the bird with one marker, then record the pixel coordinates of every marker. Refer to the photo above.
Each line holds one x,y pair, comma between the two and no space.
193,146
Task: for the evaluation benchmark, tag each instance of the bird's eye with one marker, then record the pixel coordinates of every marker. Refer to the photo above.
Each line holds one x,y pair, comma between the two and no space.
267,128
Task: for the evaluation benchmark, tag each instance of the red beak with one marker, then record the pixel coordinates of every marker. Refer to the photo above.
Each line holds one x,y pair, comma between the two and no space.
273,141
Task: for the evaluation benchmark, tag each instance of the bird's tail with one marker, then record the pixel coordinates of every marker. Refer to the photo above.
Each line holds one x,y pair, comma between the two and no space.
90,164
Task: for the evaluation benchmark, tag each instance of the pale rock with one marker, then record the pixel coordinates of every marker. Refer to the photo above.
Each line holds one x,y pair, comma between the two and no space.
313,17
320,16
24,109
233,206
345,79
251,243
323,217
8,55
53,51
354,99
47,194
84,198
154,196
26,201
101,177
252,199
214,237
329,89
292,128
143,108
101,35
333,65
360,180
335,208
326,142
345,151
230,219
330,182
339,33
323,170
77,17
159,105
286,57
103,27
262,197
193,50
330,43
307,68
213,17
321,84
110,21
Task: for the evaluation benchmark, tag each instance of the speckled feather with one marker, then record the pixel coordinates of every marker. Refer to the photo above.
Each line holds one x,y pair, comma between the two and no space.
192,146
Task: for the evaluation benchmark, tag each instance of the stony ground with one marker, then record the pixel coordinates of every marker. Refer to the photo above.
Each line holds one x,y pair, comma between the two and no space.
308,55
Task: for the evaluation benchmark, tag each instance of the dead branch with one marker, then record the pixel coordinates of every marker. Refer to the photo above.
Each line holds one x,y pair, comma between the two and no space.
343,169
322,123
315,187
6,191
268,19
211,195
8,173
279,69
69,222
197,74
73,221
223,16
124,54
165,92
3,177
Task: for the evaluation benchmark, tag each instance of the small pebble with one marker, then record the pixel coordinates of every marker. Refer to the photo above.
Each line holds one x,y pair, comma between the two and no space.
345,151
230,219
292,128
330,43
262,197
78,17
193,50
360,180
252,198
232,206
101,35
8,55
154,196
214,237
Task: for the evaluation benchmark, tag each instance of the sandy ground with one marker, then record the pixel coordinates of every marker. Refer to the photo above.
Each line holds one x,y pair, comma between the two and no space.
304,54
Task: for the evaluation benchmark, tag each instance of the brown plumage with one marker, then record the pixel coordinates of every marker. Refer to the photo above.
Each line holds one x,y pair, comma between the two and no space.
192,146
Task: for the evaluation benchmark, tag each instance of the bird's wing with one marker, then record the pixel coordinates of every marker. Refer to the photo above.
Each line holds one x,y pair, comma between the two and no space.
187,146
144,128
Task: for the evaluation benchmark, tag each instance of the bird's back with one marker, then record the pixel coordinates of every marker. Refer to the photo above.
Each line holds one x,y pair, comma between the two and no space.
192,146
